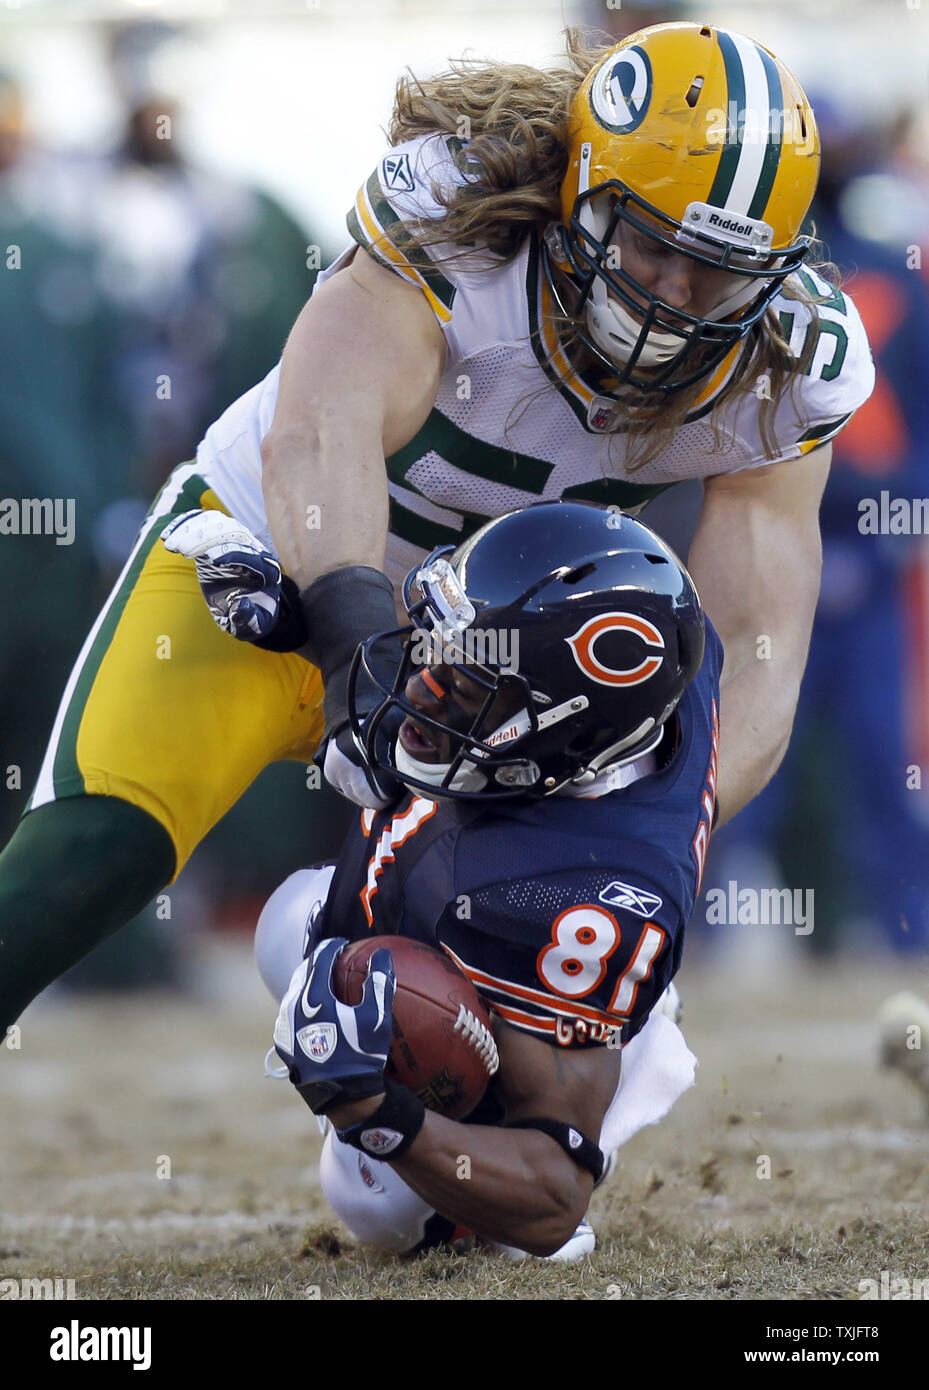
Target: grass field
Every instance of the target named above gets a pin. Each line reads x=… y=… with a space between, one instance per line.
x=105 y=1094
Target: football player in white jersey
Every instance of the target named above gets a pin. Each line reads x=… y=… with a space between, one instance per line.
x=659 y=325
x=587 y=282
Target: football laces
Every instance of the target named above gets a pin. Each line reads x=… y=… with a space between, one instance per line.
x=480 y=1038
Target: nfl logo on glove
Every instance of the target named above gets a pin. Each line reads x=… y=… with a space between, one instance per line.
x=318 y=1040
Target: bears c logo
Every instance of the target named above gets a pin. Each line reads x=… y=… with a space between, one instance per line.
x=583 y=642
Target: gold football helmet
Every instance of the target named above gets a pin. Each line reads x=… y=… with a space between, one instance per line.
x=692 y=141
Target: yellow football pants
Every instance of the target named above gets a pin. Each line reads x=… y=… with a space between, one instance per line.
x=166 y=711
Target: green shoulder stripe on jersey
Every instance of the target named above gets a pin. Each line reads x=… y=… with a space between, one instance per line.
x=393 y=227
x=471 y=455
x=835 y=301
x=820 y=431
x=358 y=233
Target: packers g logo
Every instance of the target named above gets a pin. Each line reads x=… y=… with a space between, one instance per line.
x=583 y=641
x=621 y=91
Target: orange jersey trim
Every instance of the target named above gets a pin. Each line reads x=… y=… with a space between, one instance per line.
x=571 y=1008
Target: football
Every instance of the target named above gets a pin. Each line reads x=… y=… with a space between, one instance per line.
x=442 y=1046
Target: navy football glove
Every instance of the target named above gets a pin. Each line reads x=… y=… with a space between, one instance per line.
x=240 y=579
x=335 y=1053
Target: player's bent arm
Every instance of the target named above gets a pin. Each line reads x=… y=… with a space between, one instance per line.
x=756 y=560
x=518 y=1186
x=359 y=375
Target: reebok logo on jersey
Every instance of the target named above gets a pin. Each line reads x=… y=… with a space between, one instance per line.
x=396 y=172
x=637 y=900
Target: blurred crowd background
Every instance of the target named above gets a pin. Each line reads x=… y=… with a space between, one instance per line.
x=175 y=175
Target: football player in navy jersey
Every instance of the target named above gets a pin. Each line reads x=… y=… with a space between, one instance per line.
x=565 y=795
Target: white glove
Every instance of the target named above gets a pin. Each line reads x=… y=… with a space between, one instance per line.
x=240 y=579
x=351 y=779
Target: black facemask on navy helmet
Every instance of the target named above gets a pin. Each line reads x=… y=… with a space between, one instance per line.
x=575 y=631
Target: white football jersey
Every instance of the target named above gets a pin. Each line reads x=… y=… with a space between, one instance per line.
x=512 y=424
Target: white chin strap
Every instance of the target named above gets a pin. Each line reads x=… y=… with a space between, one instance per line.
x=595 y=781
x=469 y=778
x=466 y=779
x=613 y=328
x=616 y=332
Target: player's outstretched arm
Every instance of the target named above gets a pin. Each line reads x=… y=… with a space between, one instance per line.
x=359 y=375
x=756 y=560
x=518 y=1186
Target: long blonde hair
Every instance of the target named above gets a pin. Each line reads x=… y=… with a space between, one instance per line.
x=516 y=122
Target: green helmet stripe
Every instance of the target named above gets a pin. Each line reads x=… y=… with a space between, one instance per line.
x=775 y=126
x=735 y=106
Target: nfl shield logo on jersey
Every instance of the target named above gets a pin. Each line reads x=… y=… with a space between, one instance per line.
x=318 y=1040
x=600 y=412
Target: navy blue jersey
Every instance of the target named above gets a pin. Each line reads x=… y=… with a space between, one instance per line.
x=567 y=913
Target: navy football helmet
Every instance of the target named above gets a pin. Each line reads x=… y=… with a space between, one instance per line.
x=551 y=645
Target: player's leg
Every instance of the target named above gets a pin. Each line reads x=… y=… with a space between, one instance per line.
x=375 y=1204
x=56 y=901
x=280 y=937
x=163 y=715
x=380 y=1209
